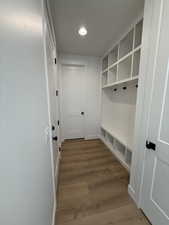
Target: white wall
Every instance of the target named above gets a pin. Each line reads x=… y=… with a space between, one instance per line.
x=26 y=191
x=92 y=107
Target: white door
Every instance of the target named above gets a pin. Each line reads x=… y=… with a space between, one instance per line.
x=155 y=192
x=73 y=87
x=53 y=99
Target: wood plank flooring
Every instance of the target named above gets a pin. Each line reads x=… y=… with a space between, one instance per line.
x=93 y=187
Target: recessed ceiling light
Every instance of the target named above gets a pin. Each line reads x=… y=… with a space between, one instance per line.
x=82 y=31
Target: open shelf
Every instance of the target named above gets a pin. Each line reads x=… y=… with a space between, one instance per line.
x=105 y=63
x=113 y=56
x=112 y=74
x=104 y=78
x=128 y=157
x=136 y=63
x=127 y=141
x=124 y=71
x=138 y=34
x=126 y=44
x=127 y=81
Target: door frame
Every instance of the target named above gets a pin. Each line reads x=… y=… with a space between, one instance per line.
x=151 y=35
x=47 y=30
x=61 y=64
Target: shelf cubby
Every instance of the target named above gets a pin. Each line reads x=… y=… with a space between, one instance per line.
x=104 y=78
x=113 y=56
x=126 y=44
x=120 y=147
x=138 y=33
x=110 y=139
x=128 y=157
x=112 y=75
x=124 y=70
x=103 y=133
x=136 y=63
x=105 y=63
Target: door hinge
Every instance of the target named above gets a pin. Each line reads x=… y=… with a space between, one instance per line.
x=58 y=122
x=55 y=61
x=57 y=93
x=150 y=145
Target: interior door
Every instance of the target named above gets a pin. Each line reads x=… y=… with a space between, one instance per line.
x=73 y=84
x=53 y=99
x=155 y=194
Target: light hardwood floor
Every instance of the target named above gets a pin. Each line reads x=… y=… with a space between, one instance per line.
x=93 y=187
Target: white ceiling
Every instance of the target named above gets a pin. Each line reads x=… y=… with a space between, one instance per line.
x=105 y=20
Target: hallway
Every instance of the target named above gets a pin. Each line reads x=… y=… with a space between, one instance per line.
x=93 y=187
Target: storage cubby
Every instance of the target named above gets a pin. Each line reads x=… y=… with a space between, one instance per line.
x=126 y=44
x=120 y=148
x=105 y=63
x=124 y=71
x=110 y=139
x=104 y=78
x=136 y=63
x=119 y=95
x=103 y=133
x=112 y=74
x=128 y=157
x=113 y=56
x=138 y=34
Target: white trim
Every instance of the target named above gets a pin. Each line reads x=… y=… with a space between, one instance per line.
x=48 y=105
x=90 y=137
x=50 y=23
x=54 y=213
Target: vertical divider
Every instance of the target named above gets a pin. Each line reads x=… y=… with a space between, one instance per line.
x=117 y=74
x=132 y=61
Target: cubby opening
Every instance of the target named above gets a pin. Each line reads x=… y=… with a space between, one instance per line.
x=105 y=63
x=128 y=157
x=103 y=133
x=113 y=56
x=138 y=34
x=112 y=74
x=136 y=63
x=110 y=139
x=104 y=78
x=124 y=71
x=120 y=148
x=126 y=44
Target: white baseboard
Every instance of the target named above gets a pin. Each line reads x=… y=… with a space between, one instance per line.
x=56 y=178
x=54 y=213
x=90 y=137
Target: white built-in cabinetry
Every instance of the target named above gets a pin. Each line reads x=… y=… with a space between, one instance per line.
x=120 y=74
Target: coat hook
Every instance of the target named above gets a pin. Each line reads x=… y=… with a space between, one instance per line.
x=115 y=89
x=124 y=88
x=136 y=85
